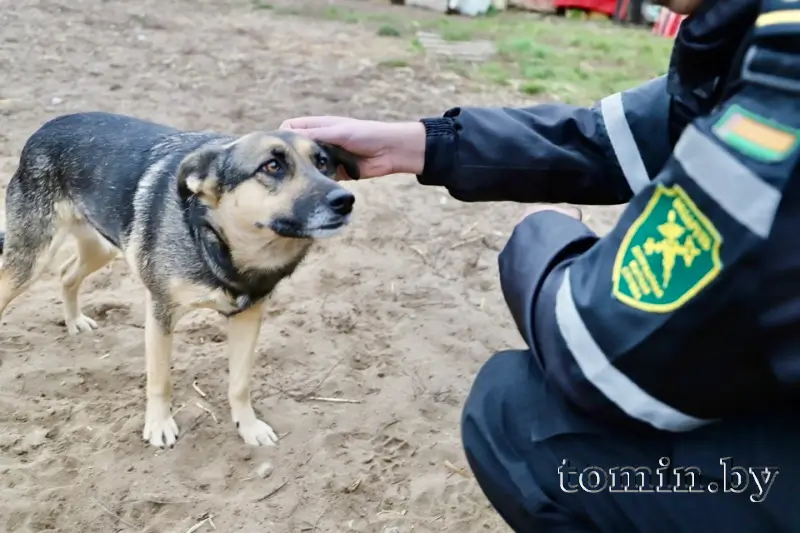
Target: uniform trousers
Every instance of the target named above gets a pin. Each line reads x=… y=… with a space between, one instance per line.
x=547 y=468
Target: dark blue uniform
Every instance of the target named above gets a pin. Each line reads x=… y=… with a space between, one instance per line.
x=658 y=388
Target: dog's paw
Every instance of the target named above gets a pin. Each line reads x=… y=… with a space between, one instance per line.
x=257 y=433
x=160 y=429
x=80 y=324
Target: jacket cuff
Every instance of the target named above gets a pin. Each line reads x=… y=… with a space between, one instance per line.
x=440 y=150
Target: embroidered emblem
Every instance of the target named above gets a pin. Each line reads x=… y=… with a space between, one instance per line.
x=756 y=136
x=669 y=254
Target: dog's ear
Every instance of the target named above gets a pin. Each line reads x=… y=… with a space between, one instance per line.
x=197 y=176
x=342 y=157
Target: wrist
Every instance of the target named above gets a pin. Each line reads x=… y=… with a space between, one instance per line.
x=408 y=155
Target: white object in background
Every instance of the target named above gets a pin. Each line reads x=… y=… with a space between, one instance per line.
x=650 y=12
x=471 y=8
x=465 y=7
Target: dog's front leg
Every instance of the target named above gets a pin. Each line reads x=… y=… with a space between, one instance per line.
x=243 y=329
x=159 y=427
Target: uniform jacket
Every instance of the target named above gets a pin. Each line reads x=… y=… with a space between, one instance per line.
x=688 y=310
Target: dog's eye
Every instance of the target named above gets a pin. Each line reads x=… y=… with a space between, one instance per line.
x=271 y=167
x=322 y=162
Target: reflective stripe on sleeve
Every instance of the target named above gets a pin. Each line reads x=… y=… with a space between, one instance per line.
x=599 y=371
x=623 y=142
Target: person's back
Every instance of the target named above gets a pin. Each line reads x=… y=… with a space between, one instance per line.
x=778 y=293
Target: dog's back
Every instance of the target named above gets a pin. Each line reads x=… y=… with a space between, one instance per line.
x=203 y=219
x=96 y=161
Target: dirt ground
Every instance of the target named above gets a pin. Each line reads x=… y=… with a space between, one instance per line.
x=399 y=313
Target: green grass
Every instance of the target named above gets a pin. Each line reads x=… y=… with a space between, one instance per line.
x=387 y=30
x=577 y=61
x=393 y=63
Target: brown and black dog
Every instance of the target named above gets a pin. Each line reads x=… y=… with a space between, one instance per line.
x=204 y=220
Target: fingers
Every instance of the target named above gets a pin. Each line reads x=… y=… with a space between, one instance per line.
x=306 y=123
x=337 y=135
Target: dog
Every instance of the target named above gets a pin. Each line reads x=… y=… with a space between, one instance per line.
x=203 y=220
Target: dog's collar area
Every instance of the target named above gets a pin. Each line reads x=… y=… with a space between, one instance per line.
x=217 y=255
x=245 y=289
x=215 y=251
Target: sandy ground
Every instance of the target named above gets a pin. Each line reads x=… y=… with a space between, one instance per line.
x=399 y=313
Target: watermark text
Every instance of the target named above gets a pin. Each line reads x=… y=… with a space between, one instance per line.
x=668 y=479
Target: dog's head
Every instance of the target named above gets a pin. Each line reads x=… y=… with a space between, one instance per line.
x=270 y=190
x=278 y=182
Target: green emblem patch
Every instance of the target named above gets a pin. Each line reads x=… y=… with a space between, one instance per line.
x=668 y=254
x=756 y=136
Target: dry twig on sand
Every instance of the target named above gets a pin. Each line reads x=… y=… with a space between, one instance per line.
x=207 y=410
x=332 y=400
x=456 y=470
x=207 y=520
x=196 y=388
x=115 y=515
x=273 y=492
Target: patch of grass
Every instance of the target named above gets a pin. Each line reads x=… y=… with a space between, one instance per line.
x=261 y=4
x=393 y=63
x=345 y=15
x=533 y=87
x=454 y=31
x=571 y=59
x=456 y=34
x=575 y=61
x=495 y=72
x=387 y=30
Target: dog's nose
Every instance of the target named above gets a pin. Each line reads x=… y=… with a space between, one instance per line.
x=340 y=201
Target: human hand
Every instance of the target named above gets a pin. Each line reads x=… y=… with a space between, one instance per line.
x=382 y=147
x=568 y=210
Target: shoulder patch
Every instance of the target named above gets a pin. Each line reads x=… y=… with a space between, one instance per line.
x=668 y=255
x=756 y=136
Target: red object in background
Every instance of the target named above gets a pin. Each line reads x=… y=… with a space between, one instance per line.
x=668 y=23
x=606 y=7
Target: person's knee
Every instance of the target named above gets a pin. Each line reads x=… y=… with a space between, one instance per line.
x=504 y=369
x=501 y=384
x=498 y=423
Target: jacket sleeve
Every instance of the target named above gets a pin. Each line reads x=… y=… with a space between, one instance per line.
x=653 y=323
x=552 y=152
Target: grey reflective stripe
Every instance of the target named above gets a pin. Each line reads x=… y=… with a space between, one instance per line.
x=599 y=371
x=623 y=142
x=735 y=188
